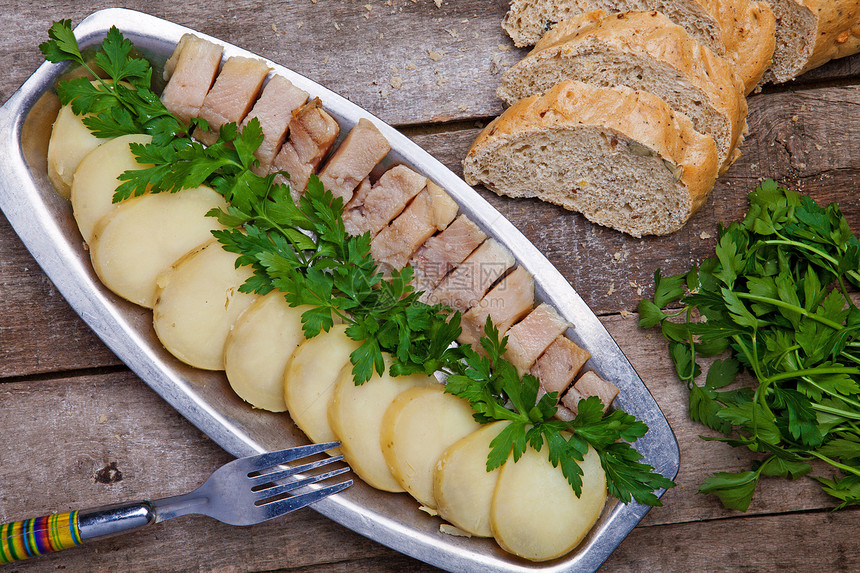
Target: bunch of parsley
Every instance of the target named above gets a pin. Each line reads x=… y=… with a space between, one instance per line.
x=302 y=249
x=776 y=298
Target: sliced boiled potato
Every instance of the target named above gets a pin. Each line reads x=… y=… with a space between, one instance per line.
x=535 y=513
x=257 y=350
x=144 y=236
x=419 y=425
x=197 y=302
x=70 y=142
x=355 y=415
x=96 y=180
x=462 y=486
x=310 y=377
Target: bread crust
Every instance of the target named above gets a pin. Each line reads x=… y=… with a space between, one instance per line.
x=739 y=30
x=838 y=33
x=653 y=35
x=641 y=117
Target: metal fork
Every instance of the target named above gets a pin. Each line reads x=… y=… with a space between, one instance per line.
x=242 y=492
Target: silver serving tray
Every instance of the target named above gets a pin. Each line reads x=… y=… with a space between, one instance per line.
x=45 y=224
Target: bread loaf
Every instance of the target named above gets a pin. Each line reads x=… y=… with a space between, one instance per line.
x=644 y=51
x=620 y=157
x=810 y=33
x=739 y=30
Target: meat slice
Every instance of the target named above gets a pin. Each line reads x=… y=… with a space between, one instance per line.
x=470 y=281
x=232 y=96
x=274 y=110
x=443 y=252
x=359 y=153
x=506 y=303
x=370 y=210
x=590 y=384
x=432 y=210
x=559 y=364
x=531 y=336
x=312 y=132
x=190 y=72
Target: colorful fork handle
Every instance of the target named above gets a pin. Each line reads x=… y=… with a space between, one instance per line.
x=31 y=537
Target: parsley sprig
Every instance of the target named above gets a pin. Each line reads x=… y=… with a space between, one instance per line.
x=302 y=249
x=775 y=296
x=122 y=105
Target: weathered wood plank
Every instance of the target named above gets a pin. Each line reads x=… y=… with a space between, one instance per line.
x=408 y=62
x=803 y=138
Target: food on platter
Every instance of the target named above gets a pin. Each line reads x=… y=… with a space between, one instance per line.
x=94 y=183
x=536 y=515
x=197 y=302
x=310 y=377
x=462 y=486
x=70 y=141
x=356 y=415
x=259 y=345
x=132 y=245
x=418 y=426
x=280 y=271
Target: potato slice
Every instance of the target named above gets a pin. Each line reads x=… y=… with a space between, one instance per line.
x=197 y=302
x=70 y=142
x=535 y=513
x=144 y=236
x=462 y=485
x=418 y=426
x=96 y=180
x=310 y=377
x=355 y=415
x=257 y=350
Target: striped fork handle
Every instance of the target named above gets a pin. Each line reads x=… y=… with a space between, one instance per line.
x=37 y=536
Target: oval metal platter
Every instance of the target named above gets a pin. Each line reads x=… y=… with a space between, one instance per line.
x=45 y=224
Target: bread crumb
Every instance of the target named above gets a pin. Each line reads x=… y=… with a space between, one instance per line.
x=102 y=418
x=463 y=107
x=435 y=56
x=438 y=3
x=394 y=69
x=454 y=33
x=794 y=118
x=396 y=82
x=336 y=26
x=325 y=60
x=368 y=7
x=625 y=314
x=274 y=28
x=504 y=48
x=299 y=24
x=611 y=290
x=441 y=81
x=449 y=529
x=704 y=236
x=367 y=15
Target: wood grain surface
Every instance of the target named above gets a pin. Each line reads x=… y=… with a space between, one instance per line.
x=80 y=430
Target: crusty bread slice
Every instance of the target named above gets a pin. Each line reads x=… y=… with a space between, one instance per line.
x=810 y=33
x=620 y=157
x=644 y=51
x=739 y=30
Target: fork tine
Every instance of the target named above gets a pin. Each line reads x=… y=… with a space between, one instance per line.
x=279 y=489
x=269 y=459
x=281 y=474
x=280 y=507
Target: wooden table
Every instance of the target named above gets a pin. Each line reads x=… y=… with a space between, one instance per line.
x=77 y=429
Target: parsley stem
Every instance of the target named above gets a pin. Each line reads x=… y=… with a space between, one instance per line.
x=793 y=307
x=834 y=394
x=818 y=252
x=845 y=468
x=809 y=371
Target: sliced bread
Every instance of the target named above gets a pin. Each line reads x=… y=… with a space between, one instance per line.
x=644 y=51
x=622 y=158
x=739 y=30
x=810 y=33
